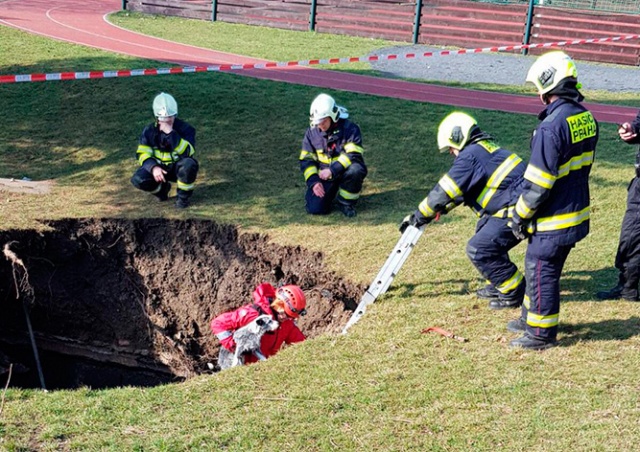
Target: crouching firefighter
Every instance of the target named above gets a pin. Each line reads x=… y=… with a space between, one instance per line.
x=486 y=178
x=165 y=154
x=331 y=159
x=284 y=304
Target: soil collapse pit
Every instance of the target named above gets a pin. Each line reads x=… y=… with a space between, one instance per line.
x=129 y=302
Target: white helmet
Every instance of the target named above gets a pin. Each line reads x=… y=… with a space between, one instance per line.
x=164 y=106
x=550 y=69
x=323 y=106
x=454 y=131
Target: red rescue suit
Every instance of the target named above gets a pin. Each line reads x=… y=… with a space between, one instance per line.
x=225 y=324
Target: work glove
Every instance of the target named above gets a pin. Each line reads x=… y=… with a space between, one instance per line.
x=416 y=219
x=519 y=227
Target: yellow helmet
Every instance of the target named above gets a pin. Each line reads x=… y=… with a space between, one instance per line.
x=164 y=106
x=454 y=131
x=550 y=69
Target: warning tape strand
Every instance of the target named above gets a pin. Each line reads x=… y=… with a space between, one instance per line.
x=20 y=78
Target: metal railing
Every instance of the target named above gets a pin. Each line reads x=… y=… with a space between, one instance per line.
x=613 y=6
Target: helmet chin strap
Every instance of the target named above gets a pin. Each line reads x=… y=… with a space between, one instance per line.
x=545 y=99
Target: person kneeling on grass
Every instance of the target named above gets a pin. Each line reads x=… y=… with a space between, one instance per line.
x=331 y=159
x=284 y=304
x=165 y=154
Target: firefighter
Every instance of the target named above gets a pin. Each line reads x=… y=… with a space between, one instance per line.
x=486 y=178
x=628 y=255
x=553 y=209
x=165 y=154
x=284 y=304
x=331 y=159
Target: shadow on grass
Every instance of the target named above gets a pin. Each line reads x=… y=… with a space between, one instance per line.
x=462 y=287
x=576 y=286
x=606 y=330
x=248 y=141
x=583 y=285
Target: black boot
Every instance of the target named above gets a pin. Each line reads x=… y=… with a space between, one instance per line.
x=511 y=300
x=347 y=209
x=610 y=294
x=518 y=325
x=163 y=193
x=617 y=293
x=530 y=342
x=488 y=292
x=182 y=200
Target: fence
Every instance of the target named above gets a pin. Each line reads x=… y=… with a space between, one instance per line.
x=460 y=23
x=612 y=6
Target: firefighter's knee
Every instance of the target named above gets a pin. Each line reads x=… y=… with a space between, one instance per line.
x=355 y=172
x=143 y=180
x=188 y=170
x=472 y=252
x=315 y=205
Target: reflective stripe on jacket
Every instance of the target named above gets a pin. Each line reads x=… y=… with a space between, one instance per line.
x=556 y=195
x=336 y=149
x=156 y=147
x=483 y=176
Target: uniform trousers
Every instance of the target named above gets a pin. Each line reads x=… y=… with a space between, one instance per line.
x=543 y=263
x=350 y=182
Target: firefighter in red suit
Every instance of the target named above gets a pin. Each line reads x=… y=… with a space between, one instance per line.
x=284 y=304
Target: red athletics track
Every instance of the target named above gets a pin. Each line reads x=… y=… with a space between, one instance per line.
x=83 y=22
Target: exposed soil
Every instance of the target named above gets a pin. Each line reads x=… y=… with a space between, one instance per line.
x=138 y=295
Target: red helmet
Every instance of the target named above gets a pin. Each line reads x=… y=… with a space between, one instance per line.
x=294 y=300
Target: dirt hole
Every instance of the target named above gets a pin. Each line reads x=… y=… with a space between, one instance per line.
x=128 y=302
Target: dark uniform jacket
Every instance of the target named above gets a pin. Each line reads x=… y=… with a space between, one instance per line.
x=336 y=149
x=555 y=201
x=156 y=147
x=483 y=176
x=635 y=126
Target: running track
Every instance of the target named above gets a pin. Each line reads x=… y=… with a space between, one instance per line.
x=83 y=22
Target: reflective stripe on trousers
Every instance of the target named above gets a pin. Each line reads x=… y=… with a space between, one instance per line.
x=543 y=263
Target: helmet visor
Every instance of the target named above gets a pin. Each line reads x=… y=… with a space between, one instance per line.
x=315 y=120
x=294 y=310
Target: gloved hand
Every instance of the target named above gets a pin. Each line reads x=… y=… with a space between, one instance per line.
x=415 y=219
x=519 y=227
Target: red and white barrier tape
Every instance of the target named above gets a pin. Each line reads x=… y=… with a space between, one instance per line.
x=235 y=67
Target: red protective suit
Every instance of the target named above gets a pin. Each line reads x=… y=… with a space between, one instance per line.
x=225 y=324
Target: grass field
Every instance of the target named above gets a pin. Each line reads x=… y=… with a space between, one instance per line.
x=384 y=386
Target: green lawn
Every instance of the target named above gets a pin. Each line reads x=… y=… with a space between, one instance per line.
x=384 y=386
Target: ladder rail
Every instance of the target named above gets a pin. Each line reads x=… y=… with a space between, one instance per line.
x=387 y=273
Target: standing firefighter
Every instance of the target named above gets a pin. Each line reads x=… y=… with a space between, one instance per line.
x=331 y=158
x=628 y=255
x=486 y=178
x=553 y=210
x=284 y=304
x=165 y=153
